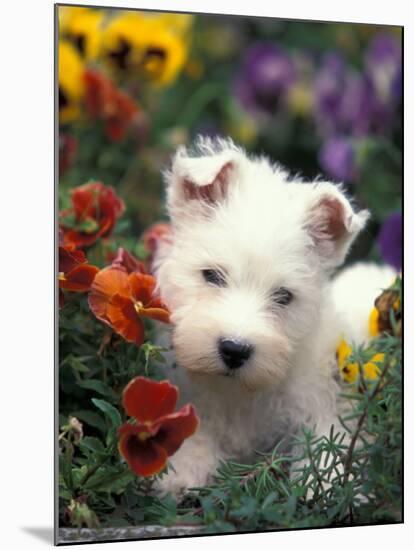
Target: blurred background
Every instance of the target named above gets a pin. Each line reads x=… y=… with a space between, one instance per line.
x=323 y=99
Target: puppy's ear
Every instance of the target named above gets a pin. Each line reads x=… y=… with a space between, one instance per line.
x=332 y=223
x=196 y=183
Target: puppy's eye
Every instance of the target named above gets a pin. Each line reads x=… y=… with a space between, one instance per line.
x=282 y=296
x=214 y=277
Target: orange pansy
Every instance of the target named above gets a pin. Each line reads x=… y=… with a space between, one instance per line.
x=120 y=299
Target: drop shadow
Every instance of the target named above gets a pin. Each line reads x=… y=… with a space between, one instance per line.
x=43 y=533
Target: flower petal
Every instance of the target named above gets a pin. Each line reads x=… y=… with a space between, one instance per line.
x=123 y=318
x=158 y=314
x=350 y=372
x=69 y=259
x=160 y=231
x=142 y=287
x=109 y=203
x=145 y=458
x=373 y=328
x=84 y=198
x=79 y=279
x=105 y=227
x=175 y=428
x=96 y=204
x=107 y=283
x=81 y=238
x=371 y=369
x=127 y=261
x=148 y=400
x=343 y=351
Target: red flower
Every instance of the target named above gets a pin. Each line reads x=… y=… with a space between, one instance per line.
x=154 y=235
x=95 y=210
x=127 y=261
x=68 y=147
x=74 y=272
x=120 y=299
x=158 y=431
x=103 y=100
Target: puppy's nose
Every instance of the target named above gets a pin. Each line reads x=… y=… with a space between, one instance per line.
x=234 y=353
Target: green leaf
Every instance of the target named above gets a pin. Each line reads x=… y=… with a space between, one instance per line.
x=89 y=225
x=65 y=494
x=208 y=509
x=65 y=471
x=93 y=445
x=247 y=508
x=108 y=481
x=269 y=500
x=110 y=412
x=98 y=386
x=75 y=363
x=92 y=418
x=78 y=474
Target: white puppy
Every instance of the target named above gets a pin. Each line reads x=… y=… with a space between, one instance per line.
x=247 y=278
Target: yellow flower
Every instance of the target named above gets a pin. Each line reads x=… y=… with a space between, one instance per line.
x=71 y=87
x=373 y=328
x=164 y=55
x=82 y=27
x=380 y=319
x=145 y=47
x=300 y=99
x=350 y=371
x=118 y=41
x=371 y=369
x=343 y=351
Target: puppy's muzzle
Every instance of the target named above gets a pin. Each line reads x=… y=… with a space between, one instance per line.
x=234 y=352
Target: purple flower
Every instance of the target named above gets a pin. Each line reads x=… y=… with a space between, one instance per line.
x=361 y=113
x=328 y=91
x=266 y=75
x=383 y=67
x=390 y=240
x=346 y=101
x=337 y=159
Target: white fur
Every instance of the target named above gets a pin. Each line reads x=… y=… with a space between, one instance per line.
x=355 y=290
x=264 y=230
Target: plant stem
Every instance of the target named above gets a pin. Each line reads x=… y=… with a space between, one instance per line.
x=314 y=468
x=362 y=418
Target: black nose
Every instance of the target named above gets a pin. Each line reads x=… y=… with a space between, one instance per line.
x=234 y=353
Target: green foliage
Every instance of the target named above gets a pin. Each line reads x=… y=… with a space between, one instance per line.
x=353 y=482
x=91 y=382
x=342 y=483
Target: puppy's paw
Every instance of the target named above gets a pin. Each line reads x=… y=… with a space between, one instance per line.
x=192 y=466
x=173 y=484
